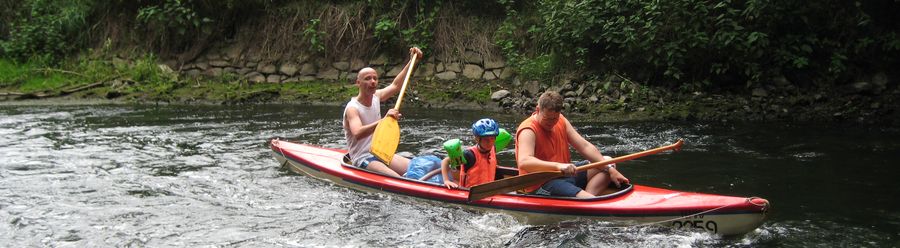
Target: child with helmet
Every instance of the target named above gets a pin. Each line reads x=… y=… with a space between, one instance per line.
x=477 y=164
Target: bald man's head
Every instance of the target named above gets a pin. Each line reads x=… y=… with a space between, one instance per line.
x=364 y=72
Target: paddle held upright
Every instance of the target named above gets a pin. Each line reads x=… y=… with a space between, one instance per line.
x=387 y=133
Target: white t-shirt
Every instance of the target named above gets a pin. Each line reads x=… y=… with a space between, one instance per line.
x=367 y=115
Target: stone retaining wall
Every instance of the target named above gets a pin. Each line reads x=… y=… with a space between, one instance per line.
x=304 y=68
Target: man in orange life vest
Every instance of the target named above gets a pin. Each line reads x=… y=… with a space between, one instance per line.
x=475 y=165
x=542 y=144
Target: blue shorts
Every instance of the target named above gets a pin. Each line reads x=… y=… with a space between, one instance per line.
x=365 y=160
x=565 y=186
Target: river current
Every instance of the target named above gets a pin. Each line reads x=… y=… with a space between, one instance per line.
x=188 y=176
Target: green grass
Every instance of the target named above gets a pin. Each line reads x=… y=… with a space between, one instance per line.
x=31 y=77
x=10 y=73
x=45 y=82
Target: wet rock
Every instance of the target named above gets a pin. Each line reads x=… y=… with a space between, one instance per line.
x=507 y=73
x=782 y=81
x=267 y=68
x=274 y=78
x=233 y=53
x=219 y=63
x=489 y=75
x=759 y=92
x=213 y=56
x=494 y=64
x=289 y=69
x=499 y=95
x=291 y=80
x=425 y=70
x=357 y=64
x=880 y=80
x=447 y=75
x=330 y=73
x=308 y=69
x=214 y=72
x=394 y=71
x=454 y=67
x=472 y=57
x=341 y=65
x=862 y=88
x=473 y=71
x=113 y=94
x=202 y=65
x=875 y=105
x=380 y=60
x=614 y=79
x=193 y=73
x=256 y=77
x=533 y=88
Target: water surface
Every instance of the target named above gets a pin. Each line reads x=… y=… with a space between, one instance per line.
x=178 y=175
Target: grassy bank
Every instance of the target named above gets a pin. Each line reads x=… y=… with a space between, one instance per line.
x=144 y=80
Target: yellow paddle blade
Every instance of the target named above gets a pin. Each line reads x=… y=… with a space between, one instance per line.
x=385 y=139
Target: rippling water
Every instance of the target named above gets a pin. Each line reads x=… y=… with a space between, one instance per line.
x=172 y=175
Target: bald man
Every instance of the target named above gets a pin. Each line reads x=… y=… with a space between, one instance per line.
x=363 y=113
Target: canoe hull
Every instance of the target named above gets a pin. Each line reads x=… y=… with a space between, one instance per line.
x=642 y=205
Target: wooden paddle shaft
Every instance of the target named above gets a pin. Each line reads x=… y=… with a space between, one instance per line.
x=521 y=181
x=676 y=146
x=412 y=64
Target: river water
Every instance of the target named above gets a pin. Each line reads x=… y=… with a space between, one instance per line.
x=187 y=176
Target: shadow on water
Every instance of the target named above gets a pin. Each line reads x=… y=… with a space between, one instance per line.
x=119 y=175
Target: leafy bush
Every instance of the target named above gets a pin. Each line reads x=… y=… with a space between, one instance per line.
x=173 y=14
x=723 y=41
x=409 y=21
x=174 y=22
x=46 y=28
x=385 y=30
x=515 y=38
x=312 y=34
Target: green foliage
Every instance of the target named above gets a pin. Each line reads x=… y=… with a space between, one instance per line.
x=312 y=34
x=421 y=33
x=409 y=21
x=46 y=28
x=538 y=68
x=723 y=41
x=699 y=43
x=47 y=80
x=175 y=14
x=147 y=71
x=386 y=31
x=513 y=37
x=32 y=75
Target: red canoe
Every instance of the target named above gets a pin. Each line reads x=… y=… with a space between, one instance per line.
x=640 y=205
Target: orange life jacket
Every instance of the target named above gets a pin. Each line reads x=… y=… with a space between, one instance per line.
x=483 y=171
x=549 y=145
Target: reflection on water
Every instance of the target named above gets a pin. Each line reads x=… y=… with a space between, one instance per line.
x=100 y=176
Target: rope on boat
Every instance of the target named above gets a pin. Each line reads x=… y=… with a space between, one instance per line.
x=281 y=150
